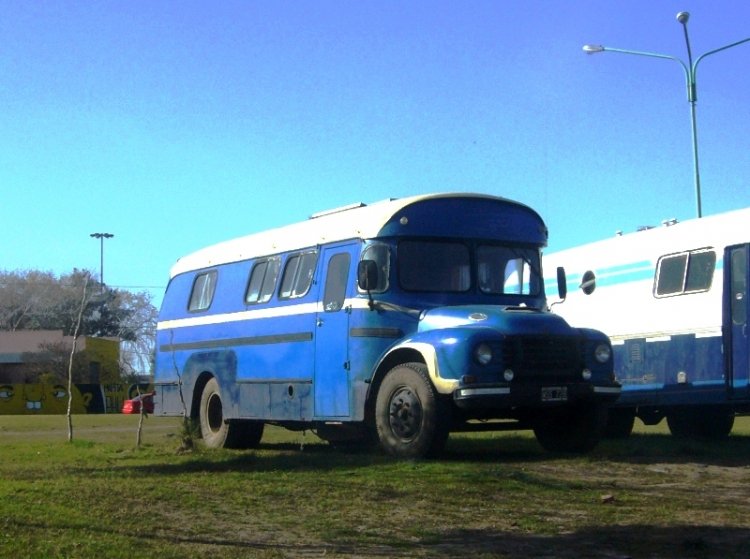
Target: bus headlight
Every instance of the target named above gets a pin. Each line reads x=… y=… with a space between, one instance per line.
x=602 y=353
x=483 y=354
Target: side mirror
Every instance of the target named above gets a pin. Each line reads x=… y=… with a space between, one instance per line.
x=562 y=283
x=367 y=275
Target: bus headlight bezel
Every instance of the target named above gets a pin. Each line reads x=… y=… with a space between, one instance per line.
x=602 y=353
x=483 y=353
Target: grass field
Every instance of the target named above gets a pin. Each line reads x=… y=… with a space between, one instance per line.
x=490 y=495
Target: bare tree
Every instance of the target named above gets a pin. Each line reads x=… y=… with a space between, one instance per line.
x=26 y=298
x=70 y=362
x=138 y=333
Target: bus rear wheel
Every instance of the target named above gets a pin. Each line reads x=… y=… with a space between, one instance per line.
x=411 y=418
x=708 y=423
x=216 y=431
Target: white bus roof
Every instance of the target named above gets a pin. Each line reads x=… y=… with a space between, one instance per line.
x=358 y=221
x=716 y=230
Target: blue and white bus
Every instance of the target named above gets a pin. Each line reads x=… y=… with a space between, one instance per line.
x=673 y=300
x=398 y=321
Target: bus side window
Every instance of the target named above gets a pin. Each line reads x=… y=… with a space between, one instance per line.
x=298 y=274
x=202 y=294
x=336 y=281
x=262 y=280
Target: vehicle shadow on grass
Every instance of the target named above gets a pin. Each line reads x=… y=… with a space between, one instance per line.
x=509 y=449
x=651 y=449
x=636 y=449
x=321 y=456
x=634 y=541
x=618 y=542
x=610 y=542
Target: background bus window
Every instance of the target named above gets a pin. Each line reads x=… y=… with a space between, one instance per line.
x=687 y=272
x=700 y=271
x=739 y=286
x=670 y=274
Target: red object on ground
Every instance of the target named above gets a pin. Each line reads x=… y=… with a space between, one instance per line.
x=134 y=405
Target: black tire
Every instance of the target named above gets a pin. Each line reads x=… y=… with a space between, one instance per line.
x=411 y=418
x=249 y=433
x=708 y=423
x=620 y=422
x=571 y=429
x=216 y=432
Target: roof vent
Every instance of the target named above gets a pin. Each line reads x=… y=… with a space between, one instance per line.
x=338 y=210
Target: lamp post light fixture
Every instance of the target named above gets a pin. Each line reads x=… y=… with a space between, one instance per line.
x=101 y=237
x=690 y=80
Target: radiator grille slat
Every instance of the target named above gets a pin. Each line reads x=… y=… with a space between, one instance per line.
x=542 y=357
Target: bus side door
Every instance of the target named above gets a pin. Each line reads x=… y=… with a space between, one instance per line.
x=737 y=343
x=332 y=332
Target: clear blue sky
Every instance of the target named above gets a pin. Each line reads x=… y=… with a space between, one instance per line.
x=174 y=125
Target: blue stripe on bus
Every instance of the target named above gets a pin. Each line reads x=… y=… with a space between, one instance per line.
x=612 y=275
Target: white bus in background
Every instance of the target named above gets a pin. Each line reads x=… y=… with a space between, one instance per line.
x=673 y=300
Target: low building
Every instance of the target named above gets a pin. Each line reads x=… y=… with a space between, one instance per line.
x=31 y=356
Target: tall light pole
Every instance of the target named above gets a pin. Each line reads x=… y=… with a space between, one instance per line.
x=692 y=93
x=101 y=237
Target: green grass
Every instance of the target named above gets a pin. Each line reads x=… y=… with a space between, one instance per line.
x=490 y=495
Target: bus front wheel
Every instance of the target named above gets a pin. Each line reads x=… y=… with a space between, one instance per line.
x=411 y=418
x=575 y=429
x=620 y=423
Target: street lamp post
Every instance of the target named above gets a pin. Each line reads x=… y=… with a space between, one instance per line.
x=690 y=80
x=101 y=237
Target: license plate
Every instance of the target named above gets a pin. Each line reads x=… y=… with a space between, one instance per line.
x=554 y=393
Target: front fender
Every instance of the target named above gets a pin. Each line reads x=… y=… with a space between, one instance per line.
x=445 y=352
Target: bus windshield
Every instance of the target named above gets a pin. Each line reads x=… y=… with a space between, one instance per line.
x=446 y=266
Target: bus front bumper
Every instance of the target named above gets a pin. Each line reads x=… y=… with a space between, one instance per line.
x=532 y=395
